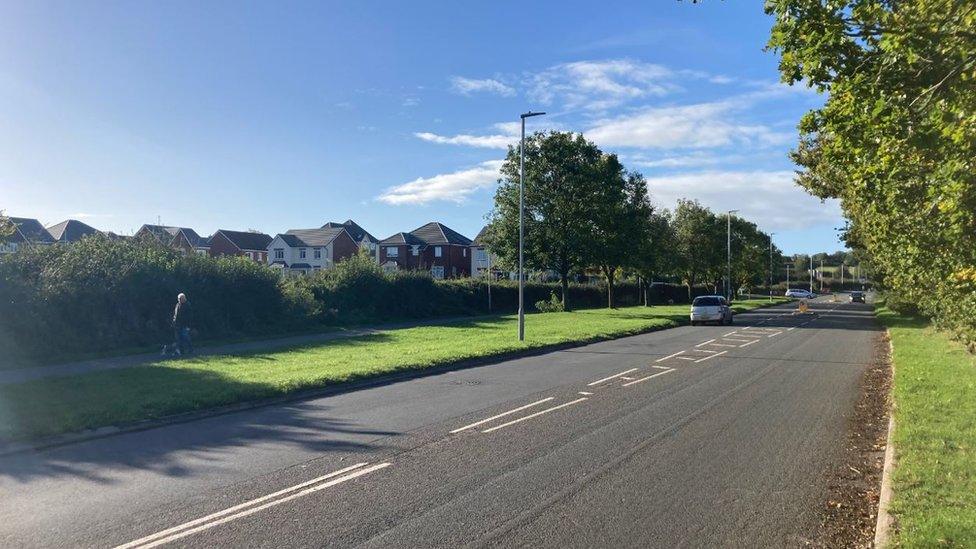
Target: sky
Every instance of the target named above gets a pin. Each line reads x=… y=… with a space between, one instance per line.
x=283 y=115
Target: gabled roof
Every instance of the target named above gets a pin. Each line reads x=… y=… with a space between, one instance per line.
x=247 y=240
x=163 y=233
x=355 y=231
x=30 y=230
x=403 y=239
x=71 y=230
x=480 y=239
x=194 y=239
x=438 y=233
x=311 y=238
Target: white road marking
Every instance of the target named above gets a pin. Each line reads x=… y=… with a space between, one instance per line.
x=774 y=334
x=710 y=356
x=660 y=367
x=585 y=393
x=614 y=376
x=723 y=345
x=530 y=416
x=648 y=377
x=728 y=334
x=669 y=356
x=791 y=329
x=227 y=515
x=686 y=358
x=705 y=343
x=503 y=414
x=737 y=339
x=750 y=343
x=706 y=351
x=627 y=378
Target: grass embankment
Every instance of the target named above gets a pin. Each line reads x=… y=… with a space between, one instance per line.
x=934 y=480
x=58 y=405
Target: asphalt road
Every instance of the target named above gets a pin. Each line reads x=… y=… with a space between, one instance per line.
x=700 y=436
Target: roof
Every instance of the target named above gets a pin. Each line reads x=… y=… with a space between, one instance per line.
x=300 y=266
x=480 y=239
x=438 y=233
x=31 y=230
x=163 y=233
x=71 y=230
x=311 y=238
x=355 y=231
x=403 y=238
x=247 y=240
x=194 y=239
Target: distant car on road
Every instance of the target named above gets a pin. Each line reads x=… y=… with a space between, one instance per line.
x=710 y=308
x=800 y=293
x=857 y=297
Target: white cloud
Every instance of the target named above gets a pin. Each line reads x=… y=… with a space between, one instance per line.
x=769 y=198
x=600 y=85
x=467 y=86
x=483 y=141
x=449 y=187
x=701 y=125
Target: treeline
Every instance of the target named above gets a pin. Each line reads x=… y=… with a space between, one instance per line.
x=586 y=214
x=99 y=294
x=895 y=140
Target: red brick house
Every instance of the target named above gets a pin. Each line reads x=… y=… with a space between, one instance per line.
x=432 y=247
x=250 y=244
x=180 y=238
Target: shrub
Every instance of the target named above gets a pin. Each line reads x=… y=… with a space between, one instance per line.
x=554 y=305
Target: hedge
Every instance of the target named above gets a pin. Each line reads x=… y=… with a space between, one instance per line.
x=102 y=295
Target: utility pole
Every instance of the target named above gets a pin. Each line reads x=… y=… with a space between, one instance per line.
x=771 y=266
x=787 y=276
x=842 y=276
x=728 y=277
x=521 y=269
x=821 y=275
x=811 y=274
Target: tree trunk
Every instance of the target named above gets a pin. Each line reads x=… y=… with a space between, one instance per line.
x=609 y=273
x=564 y=282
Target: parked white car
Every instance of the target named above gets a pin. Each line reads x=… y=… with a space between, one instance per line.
x=710 y=308
x=800 y=293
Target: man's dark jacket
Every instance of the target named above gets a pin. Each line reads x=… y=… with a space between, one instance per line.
x=183 y=315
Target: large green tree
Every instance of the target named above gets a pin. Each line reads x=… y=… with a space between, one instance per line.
x=563 y=177
x=896 y=138
x=6 y=228
x=699 y=244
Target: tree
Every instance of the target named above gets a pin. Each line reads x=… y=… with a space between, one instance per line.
x=699 y=246
x=7 y=228
x=750 y=254
x=895 y=140
x=563 y=173
x=621 y=215
x=655 y=254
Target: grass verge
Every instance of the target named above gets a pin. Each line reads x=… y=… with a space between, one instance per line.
x=54 y=406
x=934 y=480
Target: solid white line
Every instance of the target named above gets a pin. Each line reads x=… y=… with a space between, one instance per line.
x=706 y=351
x=585 y=393
x=776 y=334
x=599 y=381
x=625 y=377
x=219 y=518
x=728 y=334
x=648 y=377
x=710 y=356
x=686 y=358
x=736 y=339
x=530 y=416
x=503 y=414
x=669 y=356
x=705 y=343
x=661 y=367
x=791 y=329
x=723 y=345
x=750 y=343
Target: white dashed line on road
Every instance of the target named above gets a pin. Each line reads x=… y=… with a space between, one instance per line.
x=669 y=356
x=503 y=414
x=614 y=376
x=530 y=416
x=636 y=381
x=711 y=356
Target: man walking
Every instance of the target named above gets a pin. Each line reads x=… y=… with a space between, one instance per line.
x=182 y=319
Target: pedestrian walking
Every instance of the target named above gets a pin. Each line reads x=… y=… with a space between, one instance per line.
x=182 y=321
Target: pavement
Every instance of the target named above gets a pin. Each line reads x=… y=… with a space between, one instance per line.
x=694 y=436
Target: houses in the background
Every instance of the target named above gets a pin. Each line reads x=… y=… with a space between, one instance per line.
x=303 y=251
x=433 y=247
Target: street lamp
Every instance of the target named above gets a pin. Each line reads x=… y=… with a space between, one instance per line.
x=771 y=266
x=521 y=272
x=728 y=278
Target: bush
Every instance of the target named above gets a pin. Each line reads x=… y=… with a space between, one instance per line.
x=554 y=305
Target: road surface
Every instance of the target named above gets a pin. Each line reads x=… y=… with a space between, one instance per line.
x=695 y=436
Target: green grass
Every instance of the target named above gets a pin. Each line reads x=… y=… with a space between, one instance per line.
x=57 y=405
x=934 y=480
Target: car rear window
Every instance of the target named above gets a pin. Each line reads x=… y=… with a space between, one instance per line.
x=706 y=302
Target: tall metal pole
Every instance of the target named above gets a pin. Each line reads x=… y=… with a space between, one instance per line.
x=787 y=276
x=771 y=266
x=811 y=274
x=821 y=275
x=728 y=271
x=521 y=271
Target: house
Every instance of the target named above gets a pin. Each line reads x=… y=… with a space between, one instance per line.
x=71 y=230
x=365 y=240
x=250 y=244
x=181 y=238
x=481 y=259
x=432 y=247
x=301 y=251
x=27 y=232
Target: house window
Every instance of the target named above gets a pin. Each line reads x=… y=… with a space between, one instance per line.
x=392 y=251
x=279 y=253
x=464 y=252
x=480 y=255
x=437 y=251
x=416 y=250
x=301 y=253
x=438 y=272
x=317 y=254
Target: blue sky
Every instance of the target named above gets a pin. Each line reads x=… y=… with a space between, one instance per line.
x=286 y=115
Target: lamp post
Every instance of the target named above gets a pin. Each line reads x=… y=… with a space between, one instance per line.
x=771 y=266
x=811 y=274
x=728 y=248
x=787 y=276
x=521 y=271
